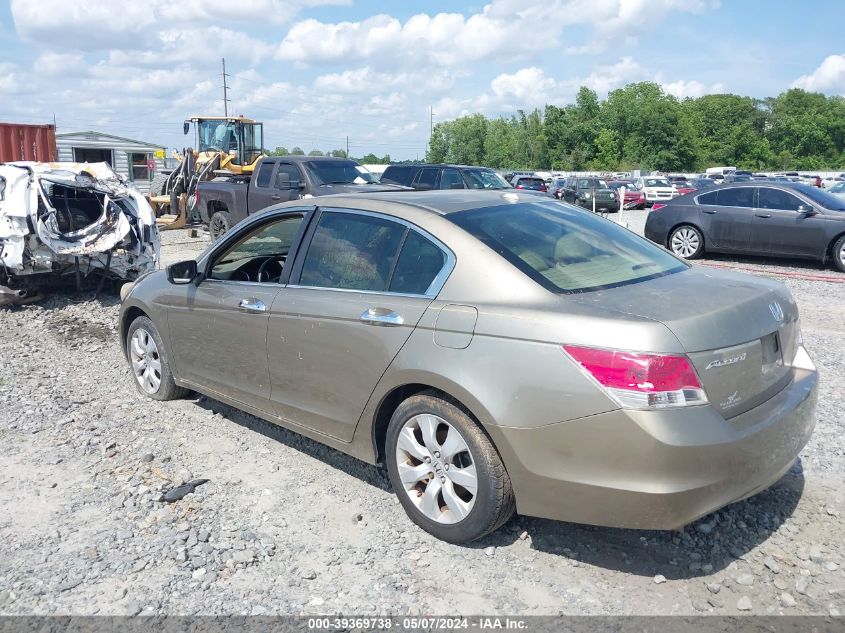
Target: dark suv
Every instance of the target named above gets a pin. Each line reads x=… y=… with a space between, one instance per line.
x=590 y=193
x=441 y=176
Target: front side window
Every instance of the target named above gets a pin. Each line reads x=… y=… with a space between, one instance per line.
x=244 y=259
x=427 y=179
x=418 y=265
x=657 y=182
x=287 y=176
x=451 y=179
x=351 y=251
x=778 y=199
x=565 y=249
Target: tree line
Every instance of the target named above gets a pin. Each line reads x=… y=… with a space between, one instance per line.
x=641 y=127
x=366 y=159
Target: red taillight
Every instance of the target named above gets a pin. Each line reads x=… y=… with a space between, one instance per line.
x=638 y=380
x=544 y=188
x=657 y=205
x=196 y=197
x=519 y=187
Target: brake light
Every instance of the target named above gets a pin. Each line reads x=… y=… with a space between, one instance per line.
x=544 y=188
x=196 y=197
x=657 y=205
x=519 y=187
x=638 y=380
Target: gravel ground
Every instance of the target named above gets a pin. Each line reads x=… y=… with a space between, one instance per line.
x=287 y=526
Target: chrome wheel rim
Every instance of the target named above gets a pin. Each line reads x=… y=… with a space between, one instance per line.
x=685 y=242
x=146 y=361
x=436 y=468
x=842 y=253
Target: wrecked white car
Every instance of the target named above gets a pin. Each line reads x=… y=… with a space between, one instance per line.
x=66 y=223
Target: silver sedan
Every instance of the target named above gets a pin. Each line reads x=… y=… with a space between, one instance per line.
x=500 y=352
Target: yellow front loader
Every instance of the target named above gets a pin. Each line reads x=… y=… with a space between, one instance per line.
x=224 y=146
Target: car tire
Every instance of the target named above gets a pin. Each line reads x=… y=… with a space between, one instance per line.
x=149 y=362
x=458 y=449
x=157 y=185
x=839 y=254
x=219 y=224
x=686 y=241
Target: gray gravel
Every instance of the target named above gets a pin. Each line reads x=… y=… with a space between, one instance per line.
x=287 y=526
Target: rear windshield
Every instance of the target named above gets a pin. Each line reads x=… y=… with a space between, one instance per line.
x=566 y=249
x=399 y=175
x=530 y=182
x=657 y=182
x=337 y=172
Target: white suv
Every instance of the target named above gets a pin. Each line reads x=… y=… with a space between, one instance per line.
x=655 y=189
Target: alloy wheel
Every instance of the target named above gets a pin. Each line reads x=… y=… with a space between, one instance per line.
x=146 y=362
x=437 y=470
x=685 y=242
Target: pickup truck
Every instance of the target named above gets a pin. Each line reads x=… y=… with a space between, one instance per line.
x=226 y=200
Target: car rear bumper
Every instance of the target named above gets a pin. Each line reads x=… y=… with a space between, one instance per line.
x=657 y=469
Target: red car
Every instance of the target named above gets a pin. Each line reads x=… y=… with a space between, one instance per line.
x=634 y=199
x=684 y=188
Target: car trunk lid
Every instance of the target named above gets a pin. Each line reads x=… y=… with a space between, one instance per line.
x=739 y=332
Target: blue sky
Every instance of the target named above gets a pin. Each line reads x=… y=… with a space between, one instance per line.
x=317 y=71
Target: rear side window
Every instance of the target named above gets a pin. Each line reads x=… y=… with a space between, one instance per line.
x=566 y=249
x=399 y=175
x=419 y=263
x=738 y=197
x=265 y=173
x=707 y=198
x=292 y=173
x=351 y=251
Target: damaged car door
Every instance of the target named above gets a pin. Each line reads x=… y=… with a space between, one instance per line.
x=219 y=326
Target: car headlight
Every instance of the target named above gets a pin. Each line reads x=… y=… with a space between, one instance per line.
x=588 y=196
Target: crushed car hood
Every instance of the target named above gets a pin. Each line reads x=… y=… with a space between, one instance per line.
x=59 y=219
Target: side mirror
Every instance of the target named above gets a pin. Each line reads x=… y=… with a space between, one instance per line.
x=282 y=181
x=300 y=185
x=806 y=210
x=182 y=273
x=186 y=127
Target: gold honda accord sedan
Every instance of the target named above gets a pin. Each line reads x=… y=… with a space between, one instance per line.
x=501 y=352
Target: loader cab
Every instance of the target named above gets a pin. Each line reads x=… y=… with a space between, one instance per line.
x=239 y=138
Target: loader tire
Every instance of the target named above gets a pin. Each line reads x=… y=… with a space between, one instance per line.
x=157 y=184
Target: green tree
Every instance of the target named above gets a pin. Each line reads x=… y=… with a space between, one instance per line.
x=315 y=152
x=297 y=151
x=337 y=153
x=279 y=151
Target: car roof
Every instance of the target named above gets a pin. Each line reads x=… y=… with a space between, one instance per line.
x=439 y=202
x=453 y=165
x=300 y=158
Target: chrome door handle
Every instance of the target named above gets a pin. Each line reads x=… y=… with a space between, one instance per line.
x=383 y=317
x=709 y=211
x=276 y=197
x=252 y=305
x=763 y=215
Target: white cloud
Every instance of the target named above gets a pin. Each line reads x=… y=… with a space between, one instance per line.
x=829 y=77
x=684 y=89
x=103 y=24
x=54 y=64
x=503 y=28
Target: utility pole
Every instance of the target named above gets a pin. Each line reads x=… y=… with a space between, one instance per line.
x=430 y=129
x=347 y=146
x=225 y=90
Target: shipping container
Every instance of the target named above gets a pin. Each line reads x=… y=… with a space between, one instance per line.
x=27 y=142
